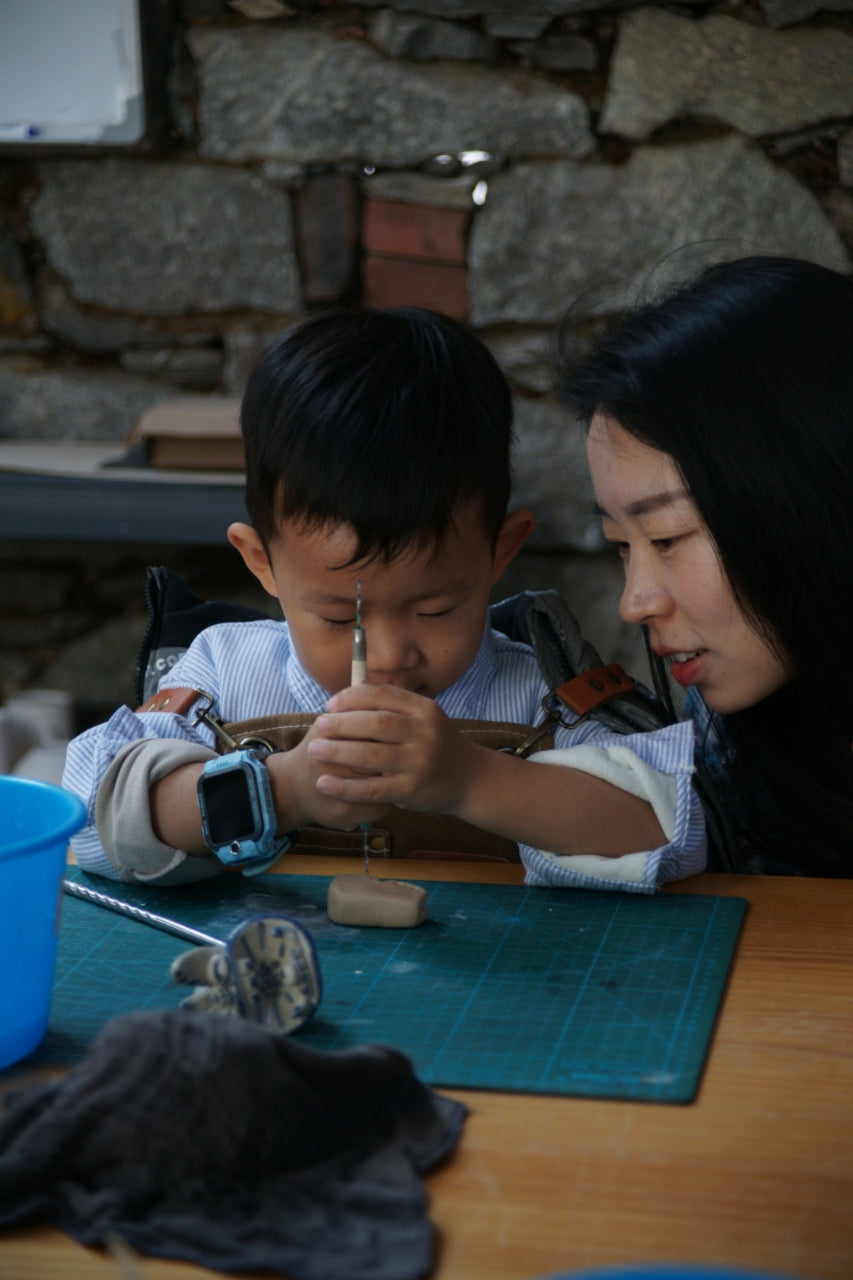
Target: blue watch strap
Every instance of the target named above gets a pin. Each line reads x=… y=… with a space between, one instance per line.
x=238 y=814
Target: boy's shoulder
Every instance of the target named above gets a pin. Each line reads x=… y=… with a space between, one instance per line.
x=508 y=647
x=516 y=666
x=241 y=637
x=219 y=649
x=177 y=616
x=242 y=630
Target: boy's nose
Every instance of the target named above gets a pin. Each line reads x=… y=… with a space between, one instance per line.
x=390 y=652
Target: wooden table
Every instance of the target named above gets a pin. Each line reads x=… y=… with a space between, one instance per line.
x=757 y=1172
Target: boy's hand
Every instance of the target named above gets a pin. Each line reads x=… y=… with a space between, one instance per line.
x=298 y=800
x=385 y=745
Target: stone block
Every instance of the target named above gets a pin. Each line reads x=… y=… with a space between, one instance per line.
x=550 y=477
x=425 y=39
x=399 y=282
x=665 y=67
x=243 y=348
x=393 y=228
x=516 y=26
x=559 y=53
x=96 y=330
x=782 y=13
x=56 y=404
x=413 y=187
x=195 y=367
x=845 y=158
x=503 y=9
x=526 y=356
x=167 y=238
x=555 y=235
x=299 y=95
x=326 y=234
x=839 y=205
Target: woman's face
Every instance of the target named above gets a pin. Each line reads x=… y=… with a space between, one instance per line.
x=674 y=582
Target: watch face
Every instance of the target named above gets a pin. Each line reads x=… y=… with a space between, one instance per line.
x=228 y=807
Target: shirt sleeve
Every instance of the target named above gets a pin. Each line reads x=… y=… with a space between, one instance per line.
x=89 y=758
x=658 y=767
x=90 y=755
x=123 y=814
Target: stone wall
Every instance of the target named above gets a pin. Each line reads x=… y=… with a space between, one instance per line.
x=496 y=160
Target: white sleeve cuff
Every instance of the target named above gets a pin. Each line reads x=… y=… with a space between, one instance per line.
x=670 y=793
x=123 y=814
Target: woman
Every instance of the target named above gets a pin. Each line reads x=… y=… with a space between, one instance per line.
x=721 y=451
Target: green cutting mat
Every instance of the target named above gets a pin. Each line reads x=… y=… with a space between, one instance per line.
x=503 y=987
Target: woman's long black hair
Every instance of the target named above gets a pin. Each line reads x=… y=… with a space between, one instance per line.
x=745 y=378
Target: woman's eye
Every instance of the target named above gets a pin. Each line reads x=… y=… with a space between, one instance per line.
x=339 y=622
x=664 y=544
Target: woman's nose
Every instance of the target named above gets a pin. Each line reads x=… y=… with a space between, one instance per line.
x=643 y=596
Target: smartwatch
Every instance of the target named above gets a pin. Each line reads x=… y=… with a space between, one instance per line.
x=238 y=816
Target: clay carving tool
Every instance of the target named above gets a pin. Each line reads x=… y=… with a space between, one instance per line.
x=358 y=675
x=364 y=900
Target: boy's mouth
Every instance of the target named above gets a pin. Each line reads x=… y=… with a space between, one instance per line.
x=403 y=684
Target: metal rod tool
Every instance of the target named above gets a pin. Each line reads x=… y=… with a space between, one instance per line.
x=358 y=675
x=142 y=917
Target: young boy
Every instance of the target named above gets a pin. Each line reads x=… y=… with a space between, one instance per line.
x=378 y=453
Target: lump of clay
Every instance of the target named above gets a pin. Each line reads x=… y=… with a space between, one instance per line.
x=364 y=900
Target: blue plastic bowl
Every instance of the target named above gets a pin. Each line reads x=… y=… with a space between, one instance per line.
x=36 y=821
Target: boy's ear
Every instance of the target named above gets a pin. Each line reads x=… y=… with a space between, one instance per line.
x=515 y=530
x=253 y=551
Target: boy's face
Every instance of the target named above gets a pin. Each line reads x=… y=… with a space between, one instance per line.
x=423 y=614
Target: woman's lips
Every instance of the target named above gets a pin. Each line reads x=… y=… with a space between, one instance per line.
x=685 y=665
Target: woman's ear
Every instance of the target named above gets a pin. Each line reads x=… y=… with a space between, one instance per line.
x=254 y=553
x=515 y=530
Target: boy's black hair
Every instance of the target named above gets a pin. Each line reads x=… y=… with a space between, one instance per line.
x=384 y=420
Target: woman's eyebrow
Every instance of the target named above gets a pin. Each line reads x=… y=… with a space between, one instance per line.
x=642 y=506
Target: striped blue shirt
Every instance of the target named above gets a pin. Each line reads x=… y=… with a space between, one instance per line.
x=252 y=669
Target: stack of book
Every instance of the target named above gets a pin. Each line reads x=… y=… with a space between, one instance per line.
x=199 y=433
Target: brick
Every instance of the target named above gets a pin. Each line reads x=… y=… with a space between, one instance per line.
x=398 y=282
x=404 y=230
x=326 y=220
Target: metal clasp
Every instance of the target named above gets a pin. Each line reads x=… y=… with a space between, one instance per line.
x=206 y=715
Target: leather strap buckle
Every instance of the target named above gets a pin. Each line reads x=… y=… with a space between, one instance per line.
x=584 y=692
x=178 y=701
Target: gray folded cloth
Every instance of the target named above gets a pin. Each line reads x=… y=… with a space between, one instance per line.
x=218 y=1142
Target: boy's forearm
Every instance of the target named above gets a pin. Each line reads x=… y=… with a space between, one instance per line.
x=175 y=815
x=420 y=761
x=562 y=810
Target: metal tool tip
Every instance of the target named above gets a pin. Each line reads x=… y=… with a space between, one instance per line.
x=358 y=602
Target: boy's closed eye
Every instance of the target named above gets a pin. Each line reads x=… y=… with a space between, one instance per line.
x=437 y=613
